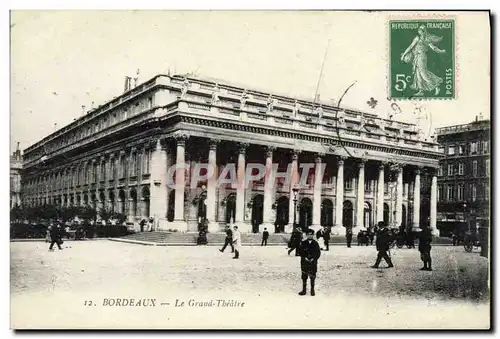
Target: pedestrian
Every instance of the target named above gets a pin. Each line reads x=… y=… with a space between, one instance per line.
x=55 y=236
x=151 y=224
x=382 y=243
x=236 y=242
x=295 y=241
x=265 y=236
x=228 y=240
x=371 y=235
x=309 y=254
x=348 y=235
x=326 y=237
x=424 y=247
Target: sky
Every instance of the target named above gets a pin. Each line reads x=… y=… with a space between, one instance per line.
x=61 y=60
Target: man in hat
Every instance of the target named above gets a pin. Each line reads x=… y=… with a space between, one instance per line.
x=382 y=243
x=424 y=247
x=309 y=254
x=228 y=240
x=236 y=242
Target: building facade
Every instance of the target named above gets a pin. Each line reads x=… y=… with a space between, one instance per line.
x=118 y=156
x=464 y=174
x=16 y=166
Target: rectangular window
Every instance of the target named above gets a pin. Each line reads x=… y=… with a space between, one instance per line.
x=441 y=149
x=440 y=193
x=348 y=184
x=440 y=170
x=474 y=192
x=473 y=147
x=461 y=149
x=450 y=169
x=368 y=186
x=461 y=168
x=487 y=191
x=122 y=167
x=450 y=192
x=487 y=167
x=146 y=160
x=460 y=193
x=474 y=168
x=103 y=171
x=451 y=150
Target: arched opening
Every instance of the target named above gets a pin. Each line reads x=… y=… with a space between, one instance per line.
x=305 y=213
x=327 y=213
x=78 y=200
x=133 y=203
x=93 y=200
x=202 y=206
x=71 y=200
x=85 y=199
x=230 y=208
x=102 y=200
x=257 y=212
x=121 y=201
x=171 y=206
x=404 y=222
x=145 y=202
x=347 y=214
x=112 y=201
x=367 y=215
x=386 y=214
x=282 y=214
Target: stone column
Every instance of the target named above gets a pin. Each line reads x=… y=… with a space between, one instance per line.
x=158 y=184
x=240 y=189
x=433 y=216
x=318 y=180
x=213 y=226
x=268 y=192
x=380 y=193
x=339 y=198
x=294 y=180
x=360 y=197
x=179 y=222
x=416 y=201
x=399 y=196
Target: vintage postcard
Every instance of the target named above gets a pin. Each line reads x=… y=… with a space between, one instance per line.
x=250 y=170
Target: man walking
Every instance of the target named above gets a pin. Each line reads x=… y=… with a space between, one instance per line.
x=265 y=236
x=424 y=247
x=382 y=243
x=236 y=242
x=309 y=254
x=228 y=240
x=55 y=236
x=295 y=241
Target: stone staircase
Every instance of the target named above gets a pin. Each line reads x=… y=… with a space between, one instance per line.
x=217 y=239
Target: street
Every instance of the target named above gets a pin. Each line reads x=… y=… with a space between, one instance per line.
x=54 y=288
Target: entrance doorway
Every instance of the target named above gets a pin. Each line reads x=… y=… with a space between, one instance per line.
x=282 y=210
x=327 y=213
x=305 y=213
x=257 y=212
x=347 y=214
x=230 y=208
x=367 y=219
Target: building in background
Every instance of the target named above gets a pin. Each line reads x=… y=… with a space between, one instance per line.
x=464 y=176
x=117 y=157
x=16 y=166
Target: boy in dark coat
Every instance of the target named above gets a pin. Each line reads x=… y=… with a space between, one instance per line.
x=228 y=240
x=309 y=254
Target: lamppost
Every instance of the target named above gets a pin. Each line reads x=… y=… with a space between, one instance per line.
x=295 y=190
x=466 y=217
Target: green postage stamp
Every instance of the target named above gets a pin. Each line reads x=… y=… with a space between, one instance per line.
x=422 y=59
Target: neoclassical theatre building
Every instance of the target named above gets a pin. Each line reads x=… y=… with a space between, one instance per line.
x=117 y=157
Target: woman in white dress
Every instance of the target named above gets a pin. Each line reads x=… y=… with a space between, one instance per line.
x=236 y=242
x=416 y=53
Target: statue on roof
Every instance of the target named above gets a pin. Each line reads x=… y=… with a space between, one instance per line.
x=296 y=108
x=244 y=98
x=185 y=87
x=319 y=111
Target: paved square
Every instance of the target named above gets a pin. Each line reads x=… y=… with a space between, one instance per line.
x=68 y=288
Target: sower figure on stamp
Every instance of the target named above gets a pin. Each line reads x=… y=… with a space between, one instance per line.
x=228 y=240
x=236 y=242
x=309 y=254
x=424 y=247
x=382 y=243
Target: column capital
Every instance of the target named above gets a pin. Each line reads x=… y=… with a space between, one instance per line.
x=212 y=144
x=242 y=147
x=319 y=157
x=181 y=139
x=418 y=170
x=362 y=162
x=341 y=159
x=270 y=150
x=295 y=154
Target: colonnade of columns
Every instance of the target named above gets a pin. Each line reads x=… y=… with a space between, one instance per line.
x=158 y=189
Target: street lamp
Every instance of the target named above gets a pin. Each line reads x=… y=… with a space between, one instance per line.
x=295 y=190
